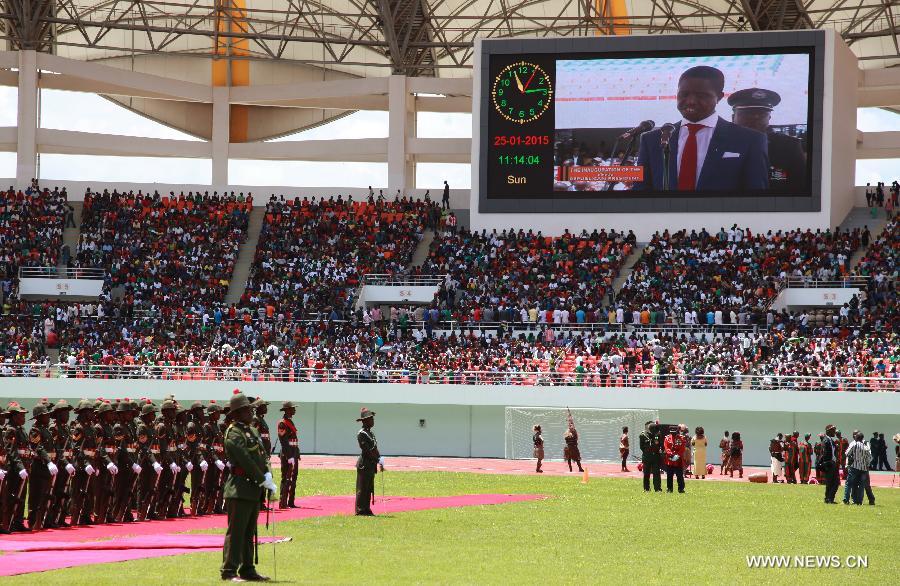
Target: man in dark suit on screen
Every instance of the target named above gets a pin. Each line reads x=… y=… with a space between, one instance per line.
x=705 y=152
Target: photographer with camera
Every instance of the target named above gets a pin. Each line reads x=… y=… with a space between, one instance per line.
x=651 y=455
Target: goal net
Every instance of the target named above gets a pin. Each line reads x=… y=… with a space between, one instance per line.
x=599 y=431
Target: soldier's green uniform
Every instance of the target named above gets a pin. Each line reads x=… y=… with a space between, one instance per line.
x=43 y=469
x=62 y=439
x=243 y=491
x=367 y=464
x=651 y=457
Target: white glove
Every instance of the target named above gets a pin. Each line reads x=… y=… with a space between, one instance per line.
x=113 y=469
x=23 y=474
x=173 y=467
x=157 y=468
x=291 y=461
x=189 y=466
x=269 y=484
x=136 y=469
x=381 y=460
x=70 y=469
x=220 y=465
x=177 y=469
x=228 y=465
x=52 y=468
x=203 y=465
x=89 y=470
x=2 y=473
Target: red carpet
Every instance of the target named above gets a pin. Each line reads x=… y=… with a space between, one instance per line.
x=100 y=544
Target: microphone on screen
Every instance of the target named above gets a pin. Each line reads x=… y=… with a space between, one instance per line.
x=639 y=129
x=665 y=133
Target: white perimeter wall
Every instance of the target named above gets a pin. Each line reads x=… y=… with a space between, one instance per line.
x=839 y=168
x=468 y=421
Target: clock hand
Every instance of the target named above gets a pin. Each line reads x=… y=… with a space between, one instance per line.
x=535 y=91
x=518 y=82
x=527 y=83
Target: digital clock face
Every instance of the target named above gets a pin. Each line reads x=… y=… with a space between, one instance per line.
x=522 y=92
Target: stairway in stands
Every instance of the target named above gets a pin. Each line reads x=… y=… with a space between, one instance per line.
x=71 y=235
x=860 y=218
x=422 y=249
x=245 y=257
x=628 y=266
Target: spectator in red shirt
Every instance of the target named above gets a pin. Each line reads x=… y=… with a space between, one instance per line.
x=674 y=446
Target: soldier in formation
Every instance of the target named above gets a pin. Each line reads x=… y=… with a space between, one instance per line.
x=124 y=460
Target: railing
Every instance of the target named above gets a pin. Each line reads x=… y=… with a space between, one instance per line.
x=748 y=382
x=856 y=281
x=61 y=273
x=404 y=280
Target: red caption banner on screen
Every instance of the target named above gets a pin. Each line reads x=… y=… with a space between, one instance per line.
x=612 y=173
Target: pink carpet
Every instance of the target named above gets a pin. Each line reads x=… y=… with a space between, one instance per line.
x=101 y=544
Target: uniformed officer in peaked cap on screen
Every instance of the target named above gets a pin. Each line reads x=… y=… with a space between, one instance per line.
x=752 y=108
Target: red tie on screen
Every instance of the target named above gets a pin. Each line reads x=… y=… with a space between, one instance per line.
x=687 y=174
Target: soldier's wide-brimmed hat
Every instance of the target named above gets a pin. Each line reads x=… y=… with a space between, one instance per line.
x=168 y=404
x=123 y=406
x=830 y=426
x=213 y=407
x=239 y=401
x=15 y=408
x=259 y=402
x=38 y=410
x=197 y=406
x=288 y=405
x=84 y=405
x=148 y=409
x=61 y=405
x=104 y=407
x=364 y=414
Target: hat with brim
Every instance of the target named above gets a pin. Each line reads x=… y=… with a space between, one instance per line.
x=15 y=408
x=39 y=409
x=61 y=405
x=288 y=405
x=364 y=414
x=259 y=402
x=84 y=405
x=239 y=401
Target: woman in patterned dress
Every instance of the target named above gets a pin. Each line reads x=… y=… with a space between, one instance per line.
x=538 y=440
x=736 y=456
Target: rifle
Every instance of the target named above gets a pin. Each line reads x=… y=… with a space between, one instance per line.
x=19 y=501
x=152 y=500
x=127 y=505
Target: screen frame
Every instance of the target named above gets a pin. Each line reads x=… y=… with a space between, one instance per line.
x=566 y=48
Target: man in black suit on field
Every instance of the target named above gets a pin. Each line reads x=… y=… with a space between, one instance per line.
x=705 y=152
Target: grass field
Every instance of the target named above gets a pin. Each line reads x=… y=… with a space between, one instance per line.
x=606 y=531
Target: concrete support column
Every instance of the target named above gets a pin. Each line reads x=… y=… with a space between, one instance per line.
x=221 y=136
x=26 y=136
x=401 y=124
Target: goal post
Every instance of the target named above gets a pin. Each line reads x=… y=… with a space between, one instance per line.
x=599 y=431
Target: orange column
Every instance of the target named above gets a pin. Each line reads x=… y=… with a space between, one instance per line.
x=616 y=13
x=232 y=18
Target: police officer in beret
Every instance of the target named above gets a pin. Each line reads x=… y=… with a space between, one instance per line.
x=752 y=108
x=250 y=476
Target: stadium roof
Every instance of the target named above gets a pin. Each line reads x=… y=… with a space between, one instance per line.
x=415 y=37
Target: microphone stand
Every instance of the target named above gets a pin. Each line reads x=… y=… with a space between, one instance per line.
x=666 y=166
x=625 y=154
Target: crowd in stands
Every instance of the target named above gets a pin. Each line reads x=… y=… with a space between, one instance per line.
x=164 y=251
x=171 y=259
x=31 y=231
x=312 y=253
x=727 y=276
x=527 y=277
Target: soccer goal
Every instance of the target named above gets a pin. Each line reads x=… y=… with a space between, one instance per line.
x=599 y=431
